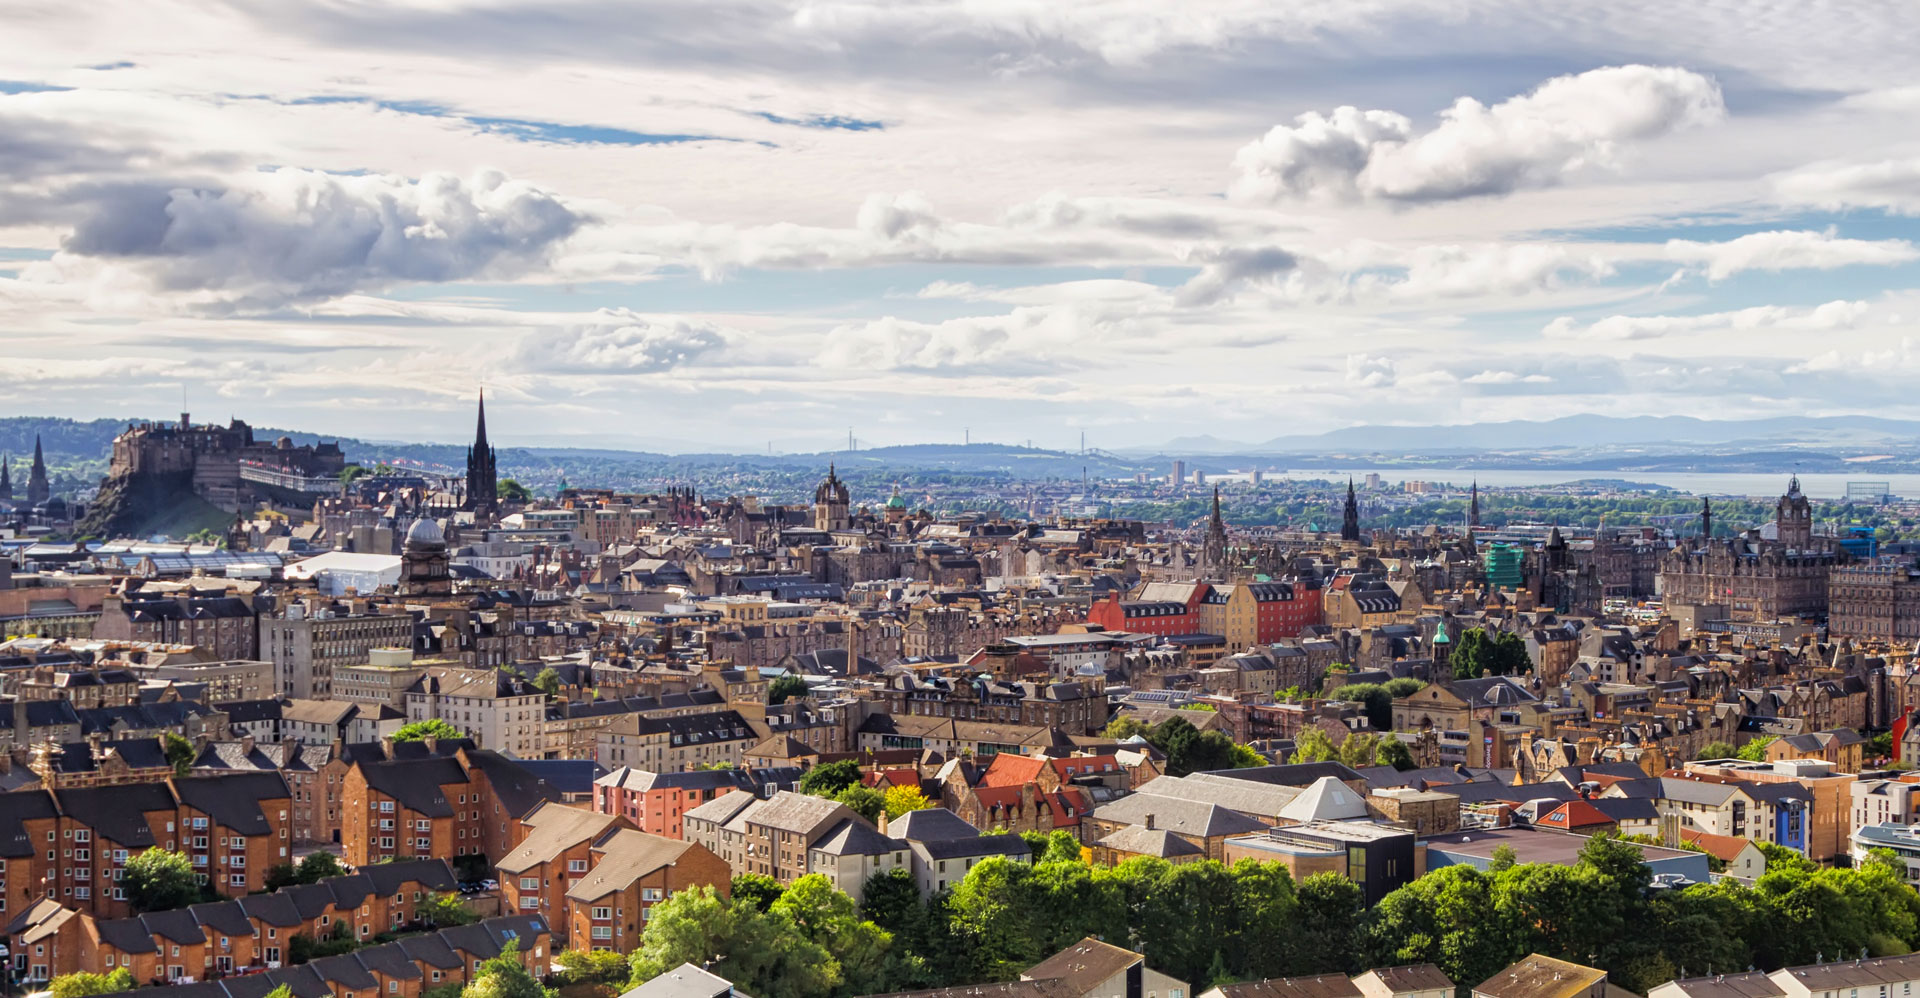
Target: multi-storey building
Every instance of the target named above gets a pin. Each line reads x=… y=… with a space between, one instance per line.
x=498 y=709
x=1875 y=600
x=309 y=639
x=1756 y=578
x=221 y=625
x=665 y=744
x=71 y=845
x=1075 y=706
x=422 y=799
x=556 y=849
x=628 y=873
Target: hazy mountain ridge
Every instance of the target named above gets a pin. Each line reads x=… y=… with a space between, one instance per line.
x=1598 y=443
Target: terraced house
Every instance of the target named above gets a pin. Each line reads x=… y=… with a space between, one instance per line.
x=433 y=798
x=216 y=939
x=71 y=845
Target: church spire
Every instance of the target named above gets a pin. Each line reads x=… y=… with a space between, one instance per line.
x=1473 y=504
x=483 y=479
x=6 y=476
x=1350 y=517
x=38 y=490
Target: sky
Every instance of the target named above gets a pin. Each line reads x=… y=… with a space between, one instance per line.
x=702 y=224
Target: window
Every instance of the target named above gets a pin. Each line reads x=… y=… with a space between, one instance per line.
x=576 y=866
x=602 y=914
x=529 y=883
x=603 y=932
x=650 y=893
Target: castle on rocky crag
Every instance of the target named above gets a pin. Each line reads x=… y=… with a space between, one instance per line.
x=224 y=465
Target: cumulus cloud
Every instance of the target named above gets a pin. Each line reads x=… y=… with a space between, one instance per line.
x=1028 y=340
x=1892 y=184
x=283 y=236
x=1366 y=371
x=1830 y=316
x=1788 y=250
x=1476 y=150
x=1227 y=269
x=621 y=341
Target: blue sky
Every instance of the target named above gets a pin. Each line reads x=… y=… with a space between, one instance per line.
x=720 y=225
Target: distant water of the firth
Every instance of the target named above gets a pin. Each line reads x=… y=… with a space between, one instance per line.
x=1821 y=486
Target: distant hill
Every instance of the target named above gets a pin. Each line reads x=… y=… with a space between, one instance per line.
x=1587 y=431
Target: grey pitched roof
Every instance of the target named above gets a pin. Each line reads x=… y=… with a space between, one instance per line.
x=854 y=837
x=933 y=824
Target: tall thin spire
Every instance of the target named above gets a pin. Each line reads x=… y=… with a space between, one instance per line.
x=6 y=476
x=1350 y=517
x=483 y=478
x=1473 y=505
x=38 y=489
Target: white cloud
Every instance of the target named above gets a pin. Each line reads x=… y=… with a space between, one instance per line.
x=1367 y=371
x=275 y=237
x=1524 y=142
x=1788 y=250
x=1892 y=184
x=620 y=341
x=1831 y=316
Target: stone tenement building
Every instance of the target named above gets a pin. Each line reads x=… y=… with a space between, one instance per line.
x=1754 y=578
x=1877 y=600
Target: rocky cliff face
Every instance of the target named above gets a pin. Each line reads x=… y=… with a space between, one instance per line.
x=141 y=505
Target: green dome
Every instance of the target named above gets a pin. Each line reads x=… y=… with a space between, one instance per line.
x=895 y=501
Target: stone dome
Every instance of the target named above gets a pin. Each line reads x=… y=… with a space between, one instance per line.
x=425 y=533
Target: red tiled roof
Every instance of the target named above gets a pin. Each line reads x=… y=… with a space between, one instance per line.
x=1010 y=770
x=1574 y=814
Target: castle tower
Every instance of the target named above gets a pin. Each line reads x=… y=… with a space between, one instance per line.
x=1794 y=517
x=483 y=480
x=6 y=476
x=1213 y=553
x=38 y=491
x=830 y=504
x=1350 y=517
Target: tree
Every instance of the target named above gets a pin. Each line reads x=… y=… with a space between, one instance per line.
x=1359 y=749
x=827 y=917
x=1062 y=847
x=756 y=889
x=784 y=688
x=1717 y=750
x=830 y=778
x=504 y=976
x=1374 y=698
x=905 y=798
x=319 y=866
x=432 y=727
x=1503 y=860
x=1313 y=745
x=180 y=753
x=866 y=802
x=1326 y=934
x=161 y=880
x=512 y=491
x=1405 y=686
x=445 y=910
x=1756 y=750
x=83 y=984
x=598 y=966
x=282 y=875
x=1394 y=752
x=1124 y=727
x=761 y=952
x=548 y=681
